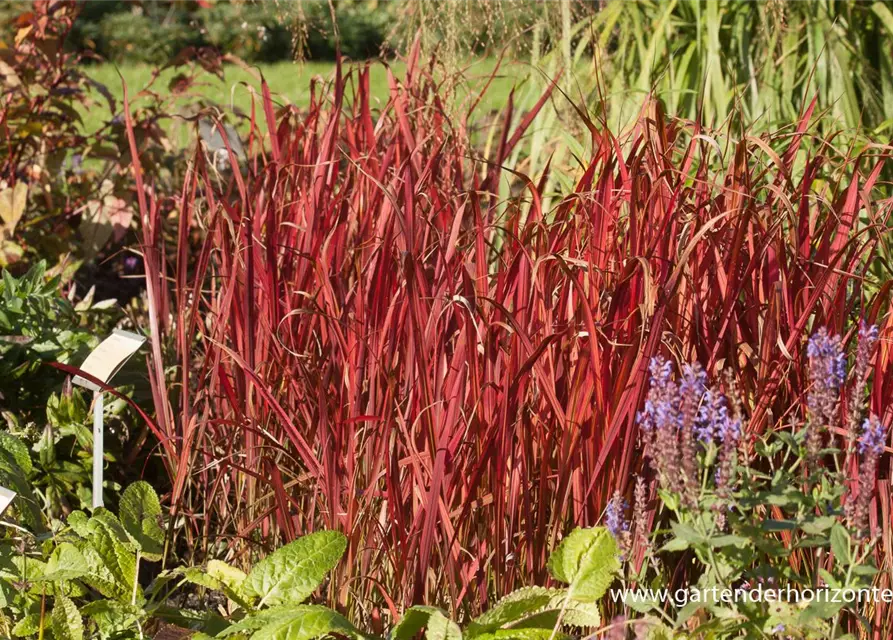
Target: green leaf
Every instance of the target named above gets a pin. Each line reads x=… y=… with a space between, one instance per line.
x=218 y=576
x=675 y=544
x=670 y=499
x=109 y=553
x=306 y=625
x=66 y=562
x=729 y=540
x=100 y=576
x=640 y=605
x=111 y=617
x=821 y=610
x=778 y=525
x=66 y=620
x=438 y=626
x=78 y=521
x=27 y=626
x=15 y=468
x=688 y=533
x=140 y=513
x=587 y=561
x=573 y=613
x=226 y=574
x=817 y=526
x=512 y=608
x=523 y=634
x=290 y=574
x=16 y=450
x=840 y=544
x=293 y=622
x=198 y=577
x=864 y=570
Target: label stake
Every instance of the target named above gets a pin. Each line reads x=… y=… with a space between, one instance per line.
x=97 y=448
x=103 y=363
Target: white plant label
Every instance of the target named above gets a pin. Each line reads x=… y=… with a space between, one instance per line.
x=6 y=498
x=103 y=363
x=106 y=359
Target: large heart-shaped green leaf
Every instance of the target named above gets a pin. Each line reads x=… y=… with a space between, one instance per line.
x=290 y=574
x=586 y=560
x=140 y=513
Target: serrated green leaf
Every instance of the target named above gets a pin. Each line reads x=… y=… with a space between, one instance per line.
x=27 y=626
x=435 y=622
x=290 y=574
x=523 y=634
x=575 y=612
x=112 y=566
x=111 y=617
x=572 y=613
x=306 y=625
x=778 y=525
x=821 y=609
x=586 y=560
x=864 y=570
x=15 y=467
x=16 y=450
x=204 y=578
x=511 y=608
x=198 y=577
x=66 y=620
x=292 y=622
x=140 y=513
x=226 y=574
x=66 y=562
x=640 y=605
x=78 y=521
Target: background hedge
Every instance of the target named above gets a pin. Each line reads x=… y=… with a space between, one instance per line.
x=152 y=32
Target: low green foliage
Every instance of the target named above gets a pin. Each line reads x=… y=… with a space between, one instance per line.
x=86 y=580
x=39 y=325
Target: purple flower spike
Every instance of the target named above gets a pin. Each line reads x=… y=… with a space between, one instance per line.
x=692 y=389
x=873 y=437
x=661 y=424
x=871 y=446
x=615 y=520
x=868 y=332
x=827 y=371
x=827 y=360
x=868 y=337
x=713 y=417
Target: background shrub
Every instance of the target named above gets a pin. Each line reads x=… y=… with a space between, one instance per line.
x=129 y=36
x=153 y=32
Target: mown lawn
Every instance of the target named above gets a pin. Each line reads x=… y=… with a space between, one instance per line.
x=289 y=83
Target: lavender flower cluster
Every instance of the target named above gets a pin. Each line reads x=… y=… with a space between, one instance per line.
x=683 y=417
x=616 y=522
x=868 y=337
x=827 y=372
x=677 y=420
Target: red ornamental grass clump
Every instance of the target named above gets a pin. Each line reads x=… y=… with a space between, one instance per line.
x=367 y=339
